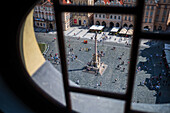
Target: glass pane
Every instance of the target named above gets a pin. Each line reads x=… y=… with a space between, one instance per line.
x=103 y=66
x=95 y=104
x=151 y=88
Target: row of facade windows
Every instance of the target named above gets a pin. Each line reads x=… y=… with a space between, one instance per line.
x=79 y=14
x=110 y=17
x=83 y=2
x=130 y=0
x=152 y=7
x=157 y=17
x=164 y=13
x=37 y=8
x=164 y=1
x=147 y=13
x=49 y=17
x=130 y=19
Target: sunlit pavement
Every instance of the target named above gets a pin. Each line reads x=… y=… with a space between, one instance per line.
x=82 y=32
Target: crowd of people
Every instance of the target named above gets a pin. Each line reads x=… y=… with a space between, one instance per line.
x=159 y=75
x=55 y=58
x=122 y=64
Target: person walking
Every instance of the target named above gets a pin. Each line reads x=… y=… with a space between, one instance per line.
x=159 y=94
x=123 y=69
x=100 y=83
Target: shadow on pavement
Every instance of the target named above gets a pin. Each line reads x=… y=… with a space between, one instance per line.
x=155 y=66
x=75 y=69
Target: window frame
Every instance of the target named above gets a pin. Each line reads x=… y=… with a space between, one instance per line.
x=137 y=12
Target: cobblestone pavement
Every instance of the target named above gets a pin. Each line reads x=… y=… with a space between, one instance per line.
x=141 y=94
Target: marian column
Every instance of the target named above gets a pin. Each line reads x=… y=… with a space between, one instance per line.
x=96 y=61
x=95 y=66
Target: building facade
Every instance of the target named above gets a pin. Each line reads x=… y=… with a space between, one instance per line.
x=128 y=20
x=149 y=15
x=84 y=19
x=155 y=14
x=105 y=19
x=155 y=18
x=162 y=14
x=44 y=15
x=66 y=17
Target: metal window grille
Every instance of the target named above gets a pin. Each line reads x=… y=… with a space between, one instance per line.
x=137 y=12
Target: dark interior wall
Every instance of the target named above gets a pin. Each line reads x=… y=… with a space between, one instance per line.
x=12 y=72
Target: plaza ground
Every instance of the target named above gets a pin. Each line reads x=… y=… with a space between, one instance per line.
x=141 y=94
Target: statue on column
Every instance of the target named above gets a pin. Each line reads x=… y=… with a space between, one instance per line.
x=95 y=66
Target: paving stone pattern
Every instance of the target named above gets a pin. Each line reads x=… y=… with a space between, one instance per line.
x=106 y=82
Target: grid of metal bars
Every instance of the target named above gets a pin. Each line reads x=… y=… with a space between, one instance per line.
x=137 y=11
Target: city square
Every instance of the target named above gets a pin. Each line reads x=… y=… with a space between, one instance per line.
x=114 y=78
x=101 y=61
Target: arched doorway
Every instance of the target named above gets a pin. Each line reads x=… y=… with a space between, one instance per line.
x=111 y=24
x=125 y=25
x=79 y=21
x=97 y=23
x=117 y=24
x=51 y=26
x=130 y=25
x=154 y=27
x=159 y=28
x=104 y=23
x=146 y=28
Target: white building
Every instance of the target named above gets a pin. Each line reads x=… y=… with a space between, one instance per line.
x=44 y=15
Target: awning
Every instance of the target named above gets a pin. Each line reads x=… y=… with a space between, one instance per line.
x=123 y=30
x=167 y=46
x=115 y=29
x=167 y=53
x=39 y=19
x=130 y=32
x=96 y=27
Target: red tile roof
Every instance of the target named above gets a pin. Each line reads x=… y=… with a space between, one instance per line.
x=121 y=2
x=64 y=2
x=48 y=1
x=106 y=1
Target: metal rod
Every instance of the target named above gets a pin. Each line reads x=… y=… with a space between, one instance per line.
x=98 y=93
x=98 y=9
x=133 y=55
x=61 y=43
x=136 y=111
x=155 y=36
